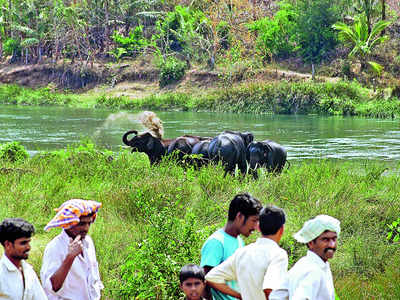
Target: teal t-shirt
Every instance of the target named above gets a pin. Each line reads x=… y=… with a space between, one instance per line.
x=218 y=247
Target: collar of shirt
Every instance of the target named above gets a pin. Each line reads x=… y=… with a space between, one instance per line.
x=10 y=266
x=266 y=241
x=7 y=262
x=317 y=260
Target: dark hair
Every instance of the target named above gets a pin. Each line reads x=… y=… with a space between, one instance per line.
x=15 y=228
x=244 y=203
x=271 y=219
x=191 y=271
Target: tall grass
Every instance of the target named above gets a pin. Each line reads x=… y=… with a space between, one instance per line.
x=341 y=98
x=155 y=219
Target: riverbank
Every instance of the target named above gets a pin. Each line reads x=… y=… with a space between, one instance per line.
x=155 y=219
x=273 y=97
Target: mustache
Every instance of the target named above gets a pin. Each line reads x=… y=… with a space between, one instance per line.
x=327 y=249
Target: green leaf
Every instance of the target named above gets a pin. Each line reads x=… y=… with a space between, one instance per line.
x=376 y=68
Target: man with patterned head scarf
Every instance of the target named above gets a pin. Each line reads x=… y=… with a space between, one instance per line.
x=70 y=269
x=311 y=278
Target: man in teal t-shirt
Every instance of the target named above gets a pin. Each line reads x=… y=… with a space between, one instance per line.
x=242 y=219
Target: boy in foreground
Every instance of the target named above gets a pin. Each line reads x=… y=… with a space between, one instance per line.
x=192 y=281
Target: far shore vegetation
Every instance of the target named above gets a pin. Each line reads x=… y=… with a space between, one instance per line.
x=155 y=219
x=325 y=98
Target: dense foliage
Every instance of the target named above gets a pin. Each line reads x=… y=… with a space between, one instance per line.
x=200 y=31
x=155 y=219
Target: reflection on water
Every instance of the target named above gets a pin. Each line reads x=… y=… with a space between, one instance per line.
x=48 y=128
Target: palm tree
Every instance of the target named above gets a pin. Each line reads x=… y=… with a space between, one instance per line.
x=358 y=37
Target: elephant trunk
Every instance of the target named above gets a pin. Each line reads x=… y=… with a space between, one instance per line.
x=125 y=137
x=253 y=162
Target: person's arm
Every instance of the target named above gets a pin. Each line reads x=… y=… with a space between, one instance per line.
x=207 y=291
x=58 y=278
x=224 y=288
x=211 y=255
x=222 y=273
x=276 y=273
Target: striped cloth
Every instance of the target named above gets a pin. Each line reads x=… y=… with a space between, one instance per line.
x=69 y=212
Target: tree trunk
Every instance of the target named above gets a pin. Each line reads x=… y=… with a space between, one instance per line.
x=383 y=14
x=106 y=29
x=313 y=71
x=1 y=48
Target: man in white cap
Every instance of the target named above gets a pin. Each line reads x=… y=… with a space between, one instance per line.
x=311 y=278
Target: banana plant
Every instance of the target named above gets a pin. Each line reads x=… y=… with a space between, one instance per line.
x=361 y=41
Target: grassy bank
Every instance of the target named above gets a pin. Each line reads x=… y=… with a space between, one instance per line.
x=155 y=219
x=341 y=98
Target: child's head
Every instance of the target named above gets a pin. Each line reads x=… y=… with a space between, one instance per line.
x=192 y=281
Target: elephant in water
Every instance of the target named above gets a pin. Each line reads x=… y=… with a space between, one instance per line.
x=156 y=148
x=201 y=149
x=184 y=145
x=266 y=154
x=229 y=147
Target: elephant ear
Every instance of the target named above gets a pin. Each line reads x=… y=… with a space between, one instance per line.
x=150 y=142
x=248 y=138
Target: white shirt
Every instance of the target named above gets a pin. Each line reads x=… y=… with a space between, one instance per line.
x=12 y=286
x=309 y=279
x=258 y=266
x=83 y=279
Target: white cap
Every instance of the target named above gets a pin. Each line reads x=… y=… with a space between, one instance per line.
x=314 y=227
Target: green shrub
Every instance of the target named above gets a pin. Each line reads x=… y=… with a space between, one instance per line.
x=171 y=70
x=10 y=46
x=152 y=268
x=13 y=152
x=394 y=231
x=131 y=45
x=275 y=36
x=223 y=33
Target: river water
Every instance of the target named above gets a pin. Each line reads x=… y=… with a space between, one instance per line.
x=304 y=137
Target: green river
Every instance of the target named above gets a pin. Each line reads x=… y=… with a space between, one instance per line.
x=304 y=137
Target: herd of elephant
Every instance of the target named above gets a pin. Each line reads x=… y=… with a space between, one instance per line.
x=229 y=147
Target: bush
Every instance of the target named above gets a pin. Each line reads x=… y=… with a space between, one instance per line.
x=223 y=33
x=131 y=45
x=13 y=152
x=152 y=268
x=10 y=46
x=275 y=36
x=171 y=70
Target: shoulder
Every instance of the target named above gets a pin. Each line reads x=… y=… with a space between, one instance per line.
x=304 y=268
x=56 y=245
x=213 y=241
x=281 y=252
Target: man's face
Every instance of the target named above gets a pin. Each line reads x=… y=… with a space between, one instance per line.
x=193 y=288
x=82 y=228
x=324 y=245
x=19 y=249
x=249 y=225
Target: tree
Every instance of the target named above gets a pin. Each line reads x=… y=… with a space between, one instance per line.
x=315 y=35
x=361 y=41
x=275 y=36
